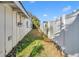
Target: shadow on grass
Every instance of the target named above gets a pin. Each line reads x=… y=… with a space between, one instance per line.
x=36 y=50
x=26 y=41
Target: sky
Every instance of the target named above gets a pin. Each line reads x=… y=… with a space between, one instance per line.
x=49 y=10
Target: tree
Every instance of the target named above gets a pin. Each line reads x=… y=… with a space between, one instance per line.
x=35 y=21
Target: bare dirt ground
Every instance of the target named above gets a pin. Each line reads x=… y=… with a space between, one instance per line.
x=50 y=48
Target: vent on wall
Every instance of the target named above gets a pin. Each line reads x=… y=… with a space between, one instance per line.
x=10 y=37
x=19 y=24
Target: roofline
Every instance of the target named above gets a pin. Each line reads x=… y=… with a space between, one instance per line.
x=20 y=5
x=23 y=7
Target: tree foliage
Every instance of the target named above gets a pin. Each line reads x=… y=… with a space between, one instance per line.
x=36 y=21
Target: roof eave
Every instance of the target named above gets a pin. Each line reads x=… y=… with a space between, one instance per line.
x=20 y=6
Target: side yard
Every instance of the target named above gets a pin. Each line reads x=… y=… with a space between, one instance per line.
x=37 y=44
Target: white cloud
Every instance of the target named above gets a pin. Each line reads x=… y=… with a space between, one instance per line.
x=67 y=8
x=54 y=17
x=45 y=15
x=32 y=1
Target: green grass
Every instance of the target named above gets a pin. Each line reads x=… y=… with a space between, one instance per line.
x=36 y=50
x=25 y=47
x=28 y=50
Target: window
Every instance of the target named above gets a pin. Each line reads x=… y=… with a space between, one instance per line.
x=18 y=21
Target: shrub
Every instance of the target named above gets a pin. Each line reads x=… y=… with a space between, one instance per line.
x=36 y=49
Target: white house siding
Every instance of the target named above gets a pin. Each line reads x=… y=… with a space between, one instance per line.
x=2 y=9
x=45 y=29
x=14 y=28
x=8 y=28
x=68 y=37
x=72 y=35
x=51 y=29
x=59 y=36
x=27 y=24
x=57 y=25
x=54 y=29
x=21 y=28
x=41 y=27
x=10 y=32
x=18 y=27
x=67 y=33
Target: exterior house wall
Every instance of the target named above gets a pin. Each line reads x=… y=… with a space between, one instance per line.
x=10 y=32
x=21 y=28
x=2 y=51
x=14 y=28
x=26 y=26
x=8 y=28
x=59 y=36
x=58 y=25
x=51 y=29
x=18 y=27
x=28 y=21
x=45 y=29
x=41 y=27
x=54 y=27
x=66 y=35
x=71 y=35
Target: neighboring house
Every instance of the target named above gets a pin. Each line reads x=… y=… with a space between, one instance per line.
x=51 y=27
x=71 y=40
x=65 y=32
x=54 y=28
x=41 y=27
x=15 y=23
x=45 y=28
